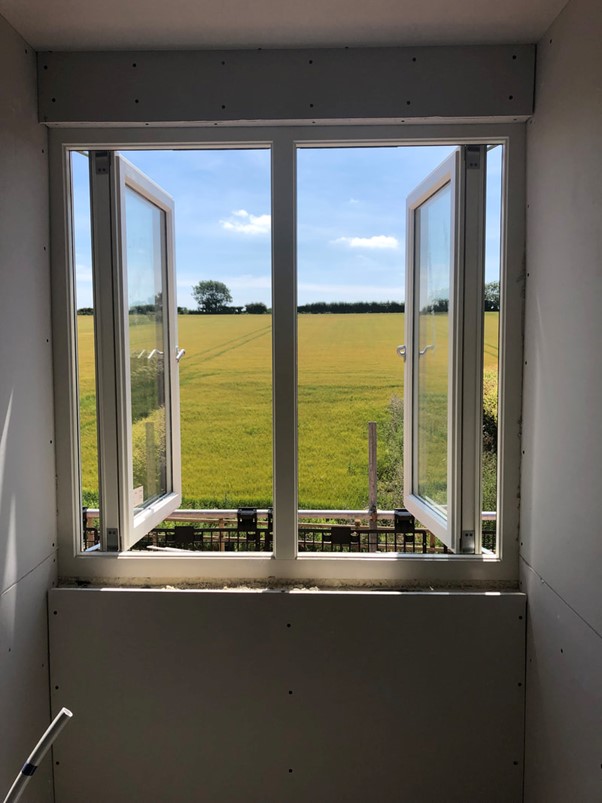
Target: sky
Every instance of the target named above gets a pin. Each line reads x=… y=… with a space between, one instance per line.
x=351 y=219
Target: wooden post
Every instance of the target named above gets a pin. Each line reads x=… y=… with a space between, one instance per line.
x=372 y=484
x=151 y=463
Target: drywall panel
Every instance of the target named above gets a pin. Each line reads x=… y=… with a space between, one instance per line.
x=27 y=497
x=288 y=697
x=563 y=748
x=274 y=85
x=24 y=698
x=562 y=423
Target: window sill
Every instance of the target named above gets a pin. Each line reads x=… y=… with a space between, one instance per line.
x=326 y=571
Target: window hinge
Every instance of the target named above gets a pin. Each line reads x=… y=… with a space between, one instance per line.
x=112 y=539
x=467 y=545
x=473 y=157
x=102 y=162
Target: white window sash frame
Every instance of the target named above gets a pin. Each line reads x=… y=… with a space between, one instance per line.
x=461 y=528
x=448 y=172
x=285 y=565
x=120 y=528
x=152 y=515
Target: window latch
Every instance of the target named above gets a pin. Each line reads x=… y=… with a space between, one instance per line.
x=401 y=352
x=179 y=353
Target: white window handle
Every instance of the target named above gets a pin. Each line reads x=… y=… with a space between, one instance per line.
x=179 y=353
x=401 y=351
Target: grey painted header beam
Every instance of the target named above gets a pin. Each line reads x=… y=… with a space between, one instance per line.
x=384 y=84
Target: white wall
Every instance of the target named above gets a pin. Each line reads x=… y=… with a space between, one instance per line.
x=27 y=498
x=250 y=697
x=561 y=524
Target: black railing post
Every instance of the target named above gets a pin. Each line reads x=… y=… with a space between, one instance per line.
x=269 y=530
x=405 y=523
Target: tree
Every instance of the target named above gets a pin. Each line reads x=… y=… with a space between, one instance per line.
x=211 y=296
x=256 y=308
x=492 y=297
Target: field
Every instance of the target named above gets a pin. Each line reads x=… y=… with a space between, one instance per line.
x=349 y=374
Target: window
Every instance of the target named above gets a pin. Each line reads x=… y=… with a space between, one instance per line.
x=440 y=334
x=137 y=350
x=444 y=347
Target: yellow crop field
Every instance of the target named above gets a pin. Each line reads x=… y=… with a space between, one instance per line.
x=349 y=374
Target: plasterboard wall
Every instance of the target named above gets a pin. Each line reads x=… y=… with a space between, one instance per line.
x=213 y=87
x=561 y=543
x=288 y=697
x=27 y=497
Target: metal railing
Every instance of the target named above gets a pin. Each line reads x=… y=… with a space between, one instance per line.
x=251 y=530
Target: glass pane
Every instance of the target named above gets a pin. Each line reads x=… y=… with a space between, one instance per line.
x=222 y=201
x=350 y=290
x=86 y=351
x=145 y=248
x=351 y=231
x=433 y=270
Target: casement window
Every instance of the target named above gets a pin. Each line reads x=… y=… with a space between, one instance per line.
x=137 y=350
x=438 y=352
x=443 y=349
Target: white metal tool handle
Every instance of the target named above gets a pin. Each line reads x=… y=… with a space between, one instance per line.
x=38 y=753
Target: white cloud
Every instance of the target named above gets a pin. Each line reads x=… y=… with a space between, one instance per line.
x=244 y=222
x=377 y=241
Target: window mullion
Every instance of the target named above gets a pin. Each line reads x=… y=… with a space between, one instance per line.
x=284 y=323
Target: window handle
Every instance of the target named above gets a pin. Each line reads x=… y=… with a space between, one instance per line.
x=401 y=352
x=179 y=353
x=423 y=351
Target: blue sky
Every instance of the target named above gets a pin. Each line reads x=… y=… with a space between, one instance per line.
x=351 y=219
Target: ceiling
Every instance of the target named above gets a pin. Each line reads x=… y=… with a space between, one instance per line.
x=198 y=24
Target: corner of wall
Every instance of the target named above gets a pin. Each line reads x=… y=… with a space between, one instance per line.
x=27 y=472
x=561 y=549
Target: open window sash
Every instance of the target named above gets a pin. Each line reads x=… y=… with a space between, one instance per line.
x=137 y=368
x=443 y=322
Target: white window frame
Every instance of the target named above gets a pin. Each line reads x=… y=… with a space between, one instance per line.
x=152 y=515
x=285 y=564
x=120 y=526
x=465 y=172
x=445 y=174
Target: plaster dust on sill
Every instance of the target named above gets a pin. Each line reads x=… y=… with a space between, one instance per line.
x=274 y=586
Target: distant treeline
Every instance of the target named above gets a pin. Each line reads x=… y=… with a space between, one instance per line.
x=316 y=308
x=491 y=303
x=222 y=311
x=320 y=307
